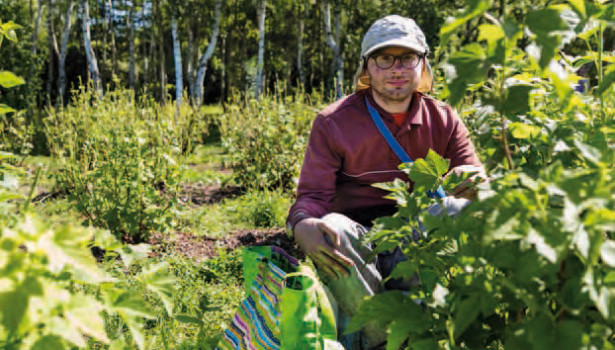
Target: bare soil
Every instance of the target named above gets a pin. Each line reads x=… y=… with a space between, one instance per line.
x=202 y=247
x=201 y=194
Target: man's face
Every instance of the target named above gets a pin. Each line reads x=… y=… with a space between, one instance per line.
x=397 y=83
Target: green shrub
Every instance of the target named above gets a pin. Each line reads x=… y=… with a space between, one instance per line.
x=266 y=139
x=264 y=209
x=530 y=263
x=53 y=295
x=119 y=160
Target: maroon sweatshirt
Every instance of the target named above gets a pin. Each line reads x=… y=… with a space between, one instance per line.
x=346 y=154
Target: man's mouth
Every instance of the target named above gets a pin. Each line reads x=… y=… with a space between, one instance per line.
x=397 y=82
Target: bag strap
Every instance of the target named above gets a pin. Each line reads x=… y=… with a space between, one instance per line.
x=399 y=151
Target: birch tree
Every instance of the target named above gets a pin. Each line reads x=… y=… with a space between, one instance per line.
x=334 y=44
x=204 y=59
x=260 y=15
x=131 y=47
x=93 y=72
x=111 y=27
x=63 y=51
x=39 y=10
x=303 y=13
x=177 y=54
x=53 y=48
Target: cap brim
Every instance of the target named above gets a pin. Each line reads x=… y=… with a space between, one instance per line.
x=395 y=42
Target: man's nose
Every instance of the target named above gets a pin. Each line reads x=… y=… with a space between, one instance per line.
x=397 y=66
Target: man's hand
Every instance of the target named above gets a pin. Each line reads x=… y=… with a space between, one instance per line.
x=320 y=242
x=467 y=189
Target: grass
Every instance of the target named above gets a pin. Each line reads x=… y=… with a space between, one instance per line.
x=209 y=291
x=252 y=210
x=207 y=165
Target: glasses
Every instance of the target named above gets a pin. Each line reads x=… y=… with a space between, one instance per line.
x=386 y=61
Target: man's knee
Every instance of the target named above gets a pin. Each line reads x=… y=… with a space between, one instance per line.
x=348 y=229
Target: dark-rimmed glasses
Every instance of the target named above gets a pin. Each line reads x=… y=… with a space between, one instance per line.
x=386 y=61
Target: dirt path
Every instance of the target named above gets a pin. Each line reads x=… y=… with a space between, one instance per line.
x=203 y=247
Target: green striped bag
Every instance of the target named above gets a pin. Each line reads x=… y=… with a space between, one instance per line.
x=286 y=307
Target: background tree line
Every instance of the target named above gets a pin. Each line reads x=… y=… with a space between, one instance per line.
x=208 y=49
x=308 y=44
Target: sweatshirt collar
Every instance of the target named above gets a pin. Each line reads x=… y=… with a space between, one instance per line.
x=415 y=115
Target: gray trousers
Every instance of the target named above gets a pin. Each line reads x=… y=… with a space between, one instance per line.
x=366 y=278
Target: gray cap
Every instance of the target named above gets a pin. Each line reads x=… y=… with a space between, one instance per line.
x=394 y=30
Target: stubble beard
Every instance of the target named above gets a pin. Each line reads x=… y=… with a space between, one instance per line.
x=395 y=96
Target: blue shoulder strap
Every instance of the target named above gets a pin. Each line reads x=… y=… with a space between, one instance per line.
x=399 y=151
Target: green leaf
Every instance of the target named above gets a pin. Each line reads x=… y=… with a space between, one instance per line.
x=569 y=335
x=49 y=342
x=607 y=252
x=183 y=318
x=398 y=333
x=4 y=109
x=387 y=307
x=523 y=131
x=504 y=232
x=607 y=81
x=405 y=269
x=83 y=313
x=132 y=253
x=578 y=6
x=131 y=305
x=9 y=80
x=158 y=280
x=517 y=99
x=14 y=306
x=490 y=32
x=425 y=344
x=61 y=327
x=466 y=314
x=587 y=152
x=472 y=9
x=8 y=30
x=601 y=218
x=67 y=247
x=426 y=172
x=607 y=13
x=471 y=66
x=549 y=25
x=136 y=330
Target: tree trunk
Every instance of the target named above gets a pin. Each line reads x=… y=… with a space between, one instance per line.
x=339 y=57
x=39 y=10
x=161 y=69
x=260 y=15
x=223 y=68
x=300 y=71
x=190 y=59
x=93 y=72
x=177 y=54
x=113 y=47
x=131 y=69
x=53 y=49
x=146 y=55
x=335 y=45
x=107 y=19
x=202 y=68
x=62 y=62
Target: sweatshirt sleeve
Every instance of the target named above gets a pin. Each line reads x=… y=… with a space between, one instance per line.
x=316 y=187
x=460 y=149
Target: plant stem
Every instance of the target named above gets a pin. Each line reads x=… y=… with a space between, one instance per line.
x=504 y=137
x=600 y=68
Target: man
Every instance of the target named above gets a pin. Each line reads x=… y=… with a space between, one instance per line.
x=346 y=154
